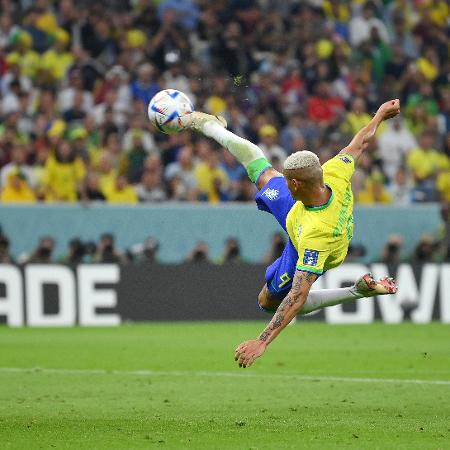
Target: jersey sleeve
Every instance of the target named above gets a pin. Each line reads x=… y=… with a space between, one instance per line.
x=312 y=255
x=341 y=167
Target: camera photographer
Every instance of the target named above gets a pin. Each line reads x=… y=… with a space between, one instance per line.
x=43 y=254
x=392 y=250
x=106 y=251
x=5 y=257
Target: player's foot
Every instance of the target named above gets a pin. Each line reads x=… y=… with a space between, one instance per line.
x=196 y=119
x=367 y=286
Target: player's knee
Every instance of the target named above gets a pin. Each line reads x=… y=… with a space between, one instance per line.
x=262 y=298
x=265 y=301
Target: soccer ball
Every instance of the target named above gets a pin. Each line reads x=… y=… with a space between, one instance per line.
x=166 y=109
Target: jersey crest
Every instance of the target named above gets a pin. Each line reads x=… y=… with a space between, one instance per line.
x=272 y=194
x=346 y=159
x=310 y=257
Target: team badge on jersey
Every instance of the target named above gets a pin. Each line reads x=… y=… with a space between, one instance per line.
x=345 y=159
x=271 y=194
x=310 y=257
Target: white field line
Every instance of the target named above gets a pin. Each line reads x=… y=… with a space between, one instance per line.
x=241 y=374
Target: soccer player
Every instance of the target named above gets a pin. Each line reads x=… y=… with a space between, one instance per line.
x=314 y=204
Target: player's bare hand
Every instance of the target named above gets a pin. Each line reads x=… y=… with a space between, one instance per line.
x=389 y=109
x=248 y=351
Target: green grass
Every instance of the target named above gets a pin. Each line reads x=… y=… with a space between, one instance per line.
x=194 y=396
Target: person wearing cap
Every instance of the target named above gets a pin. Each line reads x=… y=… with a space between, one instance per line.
x=23 y=53
x=56 y=60
x=77 y=136
x=268 y=143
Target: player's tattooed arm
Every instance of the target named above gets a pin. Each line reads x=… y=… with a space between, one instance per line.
x=247 y=352
x=290 y=306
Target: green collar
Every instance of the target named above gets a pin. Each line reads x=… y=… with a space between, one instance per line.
x=325 y=205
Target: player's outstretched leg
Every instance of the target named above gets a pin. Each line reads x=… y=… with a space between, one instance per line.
x=366 y=286
x=247 y=153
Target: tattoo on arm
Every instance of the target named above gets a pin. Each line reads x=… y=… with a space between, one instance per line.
x=292 y=303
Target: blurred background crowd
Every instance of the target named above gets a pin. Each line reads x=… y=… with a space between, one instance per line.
x=76 y=78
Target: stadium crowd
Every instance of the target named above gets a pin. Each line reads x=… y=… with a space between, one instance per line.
x=76 y=78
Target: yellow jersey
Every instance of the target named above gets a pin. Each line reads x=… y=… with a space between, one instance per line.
x=321 y=234
x=425 y=164
x=62 y=179
x=126 y=195
x=206 y=177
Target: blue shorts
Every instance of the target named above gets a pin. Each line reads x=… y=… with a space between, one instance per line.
x=276 y=199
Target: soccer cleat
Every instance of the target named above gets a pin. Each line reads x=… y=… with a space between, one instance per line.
x=367 y=286
x=197 y=119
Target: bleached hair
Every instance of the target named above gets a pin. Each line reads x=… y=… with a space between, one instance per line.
x=301 y=160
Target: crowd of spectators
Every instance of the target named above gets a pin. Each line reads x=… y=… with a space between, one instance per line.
x=76 y=77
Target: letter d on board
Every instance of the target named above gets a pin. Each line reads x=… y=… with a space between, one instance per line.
x=36 y=276
x=11 y=305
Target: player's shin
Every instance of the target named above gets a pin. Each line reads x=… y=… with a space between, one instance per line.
x=328 y=297
x=366 y=286
x=247 y=153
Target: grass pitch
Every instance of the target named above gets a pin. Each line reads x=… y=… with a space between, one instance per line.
x=176 y=386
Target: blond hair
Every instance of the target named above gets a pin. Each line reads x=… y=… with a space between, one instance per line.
x=301 y=160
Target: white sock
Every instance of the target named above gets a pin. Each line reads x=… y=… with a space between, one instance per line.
x=243 y=150
x=328 y=297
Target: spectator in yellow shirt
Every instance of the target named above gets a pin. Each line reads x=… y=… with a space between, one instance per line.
x=120 y=192
x=57 y=60
x=443 y=185
x=428 y=64
x=64 y=173
x=358 y=118
x=336 y=11
x=23 y=54
x=424 y=161
x=374 y=191
x=212 y=180
x=16 y=189
x=107 y=172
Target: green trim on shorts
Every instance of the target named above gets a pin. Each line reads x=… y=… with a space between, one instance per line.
x=308 y=269
x=255 y=168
